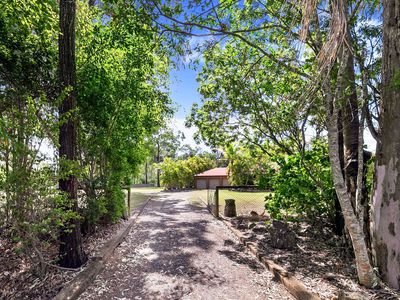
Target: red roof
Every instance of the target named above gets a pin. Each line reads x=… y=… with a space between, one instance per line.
x=216 y=172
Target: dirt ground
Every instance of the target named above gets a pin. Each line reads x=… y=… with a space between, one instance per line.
x=177 y=250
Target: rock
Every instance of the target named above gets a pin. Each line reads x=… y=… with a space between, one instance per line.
x=259 y=228
x=329 y=276
x=240 y=225
x=254 y=217
x=282 y=237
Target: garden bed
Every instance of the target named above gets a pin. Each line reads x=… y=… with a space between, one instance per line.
x=312 y=254
x=18 y=280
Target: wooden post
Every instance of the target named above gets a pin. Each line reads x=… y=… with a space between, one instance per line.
x=230 y=208
x=129 y=201
x=216 y=203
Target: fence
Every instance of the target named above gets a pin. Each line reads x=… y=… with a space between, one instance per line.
x=247 y=199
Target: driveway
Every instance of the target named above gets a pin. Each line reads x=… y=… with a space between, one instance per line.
x=177 y=250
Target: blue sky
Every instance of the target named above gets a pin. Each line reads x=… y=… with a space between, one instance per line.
x=184 y=90
x=184 y=93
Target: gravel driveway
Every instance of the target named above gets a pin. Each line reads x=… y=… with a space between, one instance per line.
x=177 y=250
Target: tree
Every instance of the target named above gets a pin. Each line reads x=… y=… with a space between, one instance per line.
x=71 y=252
x=165 y=143
x=178 y=174
x=385 y=200
x=118 y=95
x=332 y=96
x=242 y=165
x=186 y=151
x=248 y=98
x=121 y=75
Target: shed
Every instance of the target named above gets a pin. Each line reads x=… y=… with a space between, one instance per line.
x=211 y=178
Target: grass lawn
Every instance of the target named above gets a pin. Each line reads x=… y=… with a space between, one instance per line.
x=147 y=190
x=245 y=201
x=140 y=195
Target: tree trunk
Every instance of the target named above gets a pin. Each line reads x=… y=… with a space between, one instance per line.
x=365 y=272
x=145 y=171
x=362 y=205
x=7 y=177
x=350 y=122
x=71 y=252
x=339 y=220
x=158 y=161
x=386 y=192
x=366 y=275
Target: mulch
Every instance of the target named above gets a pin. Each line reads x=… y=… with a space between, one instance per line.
x=318 y=258
x=19 y=278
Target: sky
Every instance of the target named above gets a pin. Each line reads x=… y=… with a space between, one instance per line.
x=183 y=92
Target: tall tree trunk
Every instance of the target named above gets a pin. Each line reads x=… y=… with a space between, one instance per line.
x=362 y=205
x=145 y=173
x=7 y=177
x=71 y=252
x=339 y=220
x=350 y=121
x=353 y=132
x=333 y=102
x=158 y=161
x=365 y=271
x=386 y=193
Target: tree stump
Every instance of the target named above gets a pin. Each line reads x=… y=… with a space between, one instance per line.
x=230 y=208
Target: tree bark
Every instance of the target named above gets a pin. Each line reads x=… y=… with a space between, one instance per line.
x=70 y=251
x=145 y=173
x=386 y=193
x=350 y=122
x=333 y=103
x=365 y=271
x=158 y=161
x=339 y=220
x=7 y=177
x=362 y=205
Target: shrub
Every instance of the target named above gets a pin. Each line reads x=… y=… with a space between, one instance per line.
x=178 y=174
x=295 y=191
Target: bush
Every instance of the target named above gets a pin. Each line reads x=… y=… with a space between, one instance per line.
x=178 y=174
x=295 y=192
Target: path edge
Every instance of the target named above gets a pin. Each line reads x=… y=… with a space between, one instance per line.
x=74 y=288
x=295 y=287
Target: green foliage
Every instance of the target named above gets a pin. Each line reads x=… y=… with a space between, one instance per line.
x=31 y=208
x=120 y=73
x=294 y=192
x=369 y=176
x=242 y=166
x=178 y=174
x=246 y=98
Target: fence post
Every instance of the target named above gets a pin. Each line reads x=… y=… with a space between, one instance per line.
x=129 y=201
x=217 y=202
